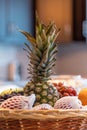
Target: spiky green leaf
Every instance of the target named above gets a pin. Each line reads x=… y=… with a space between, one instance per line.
x=29 y=37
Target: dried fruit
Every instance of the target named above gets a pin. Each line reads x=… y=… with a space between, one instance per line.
x=65 y=90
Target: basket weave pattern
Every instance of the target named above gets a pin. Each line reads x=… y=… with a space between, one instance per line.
x=43 y=120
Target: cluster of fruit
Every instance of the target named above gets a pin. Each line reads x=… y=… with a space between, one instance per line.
x=67 y=101
x=65 y=90
x=26 y=102
x=10 y=93
x=15 y=99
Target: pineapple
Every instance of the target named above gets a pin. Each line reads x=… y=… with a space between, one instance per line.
x=41 y=54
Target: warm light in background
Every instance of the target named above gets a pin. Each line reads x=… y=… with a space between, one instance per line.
x=60 y=11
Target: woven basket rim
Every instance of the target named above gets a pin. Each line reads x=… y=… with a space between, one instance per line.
x=42 y=114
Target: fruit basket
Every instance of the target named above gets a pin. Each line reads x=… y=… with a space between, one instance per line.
x=41 y=55
x=43 y=120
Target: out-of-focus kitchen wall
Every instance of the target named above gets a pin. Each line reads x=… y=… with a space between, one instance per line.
x=71 y=57
x=14 y=15
x=13 y=63
x=7 y=56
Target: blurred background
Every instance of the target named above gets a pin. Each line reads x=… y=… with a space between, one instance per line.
x=69 y=15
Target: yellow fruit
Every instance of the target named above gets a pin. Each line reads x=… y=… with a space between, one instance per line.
x=83 y=96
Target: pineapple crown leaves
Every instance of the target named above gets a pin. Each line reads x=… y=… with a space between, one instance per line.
x=42 y=51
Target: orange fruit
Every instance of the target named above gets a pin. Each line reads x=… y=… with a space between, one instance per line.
x=83 y=96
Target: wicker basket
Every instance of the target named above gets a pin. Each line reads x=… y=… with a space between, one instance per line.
x=43 y=120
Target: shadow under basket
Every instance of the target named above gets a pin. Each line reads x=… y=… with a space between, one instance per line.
x=43 y=119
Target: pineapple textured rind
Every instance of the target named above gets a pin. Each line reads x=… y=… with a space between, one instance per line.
x=44 y=92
